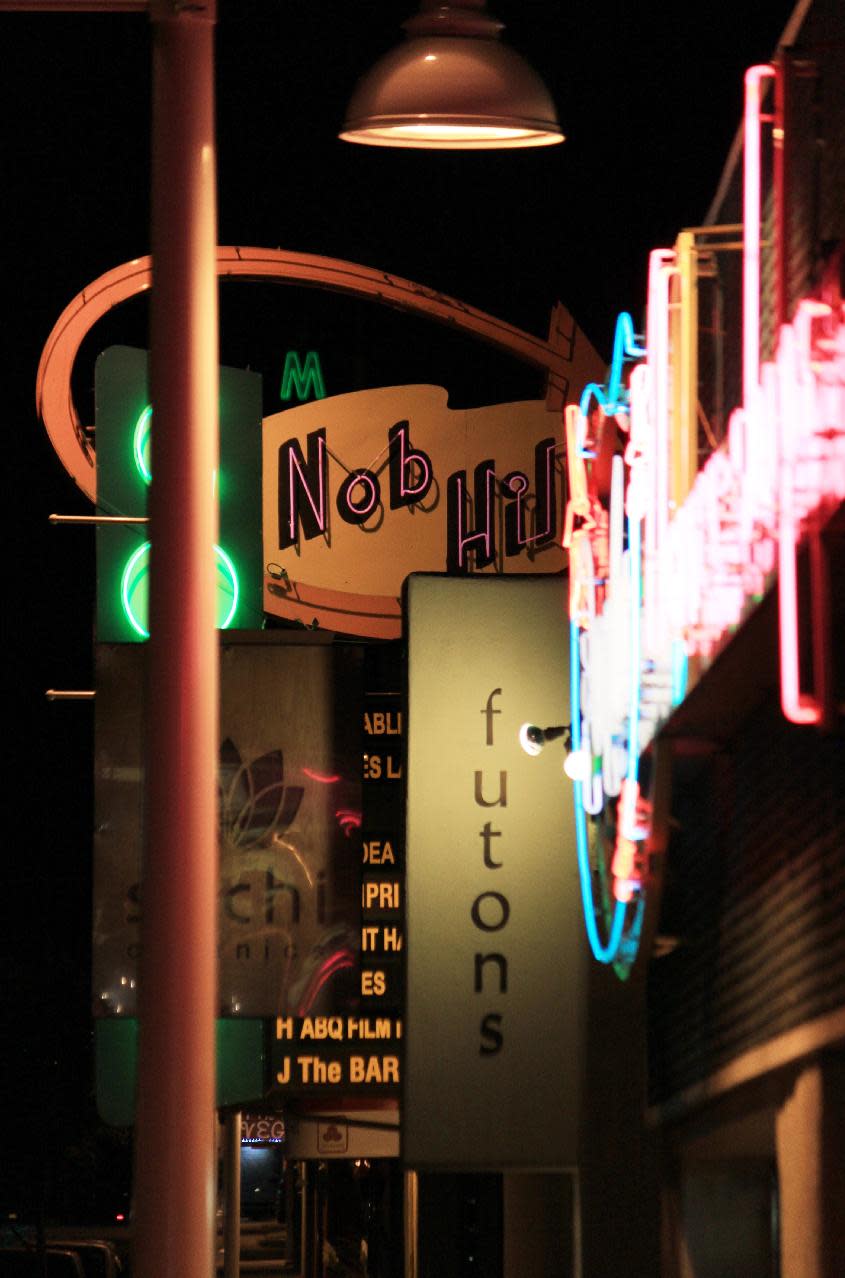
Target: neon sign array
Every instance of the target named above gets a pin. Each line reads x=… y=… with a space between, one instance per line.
x=652 y=585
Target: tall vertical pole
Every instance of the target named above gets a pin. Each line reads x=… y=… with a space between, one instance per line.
x=232 y=1196
x=175 y=1170
x=411 y=1217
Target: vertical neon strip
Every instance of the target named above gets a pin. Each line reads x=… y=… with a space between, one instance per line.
x=685 y=435
x=797 y=707
x=603 y=953
x=783 y=92
x=660 y=270
x=579 y=499
x=680 y=666
x=617 y=527
x=752 y=181
x=634 y=562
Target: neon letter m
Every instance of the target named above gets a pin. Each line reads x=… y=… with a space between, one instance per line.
x=305 y=378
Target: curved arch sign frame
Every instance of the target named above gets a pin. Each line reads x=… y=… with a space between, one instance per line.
x=566 y=356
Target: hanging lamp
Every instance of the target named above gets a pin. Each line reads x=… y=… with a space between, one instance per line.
x=452 y=85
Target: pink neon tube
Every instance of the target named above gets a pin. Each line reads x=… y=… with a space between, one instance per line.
x=660 y=270
x=751 y=234
x=798 y=706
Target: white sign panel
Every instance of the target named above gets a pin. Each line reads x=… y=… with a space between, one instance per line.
x=496 y=965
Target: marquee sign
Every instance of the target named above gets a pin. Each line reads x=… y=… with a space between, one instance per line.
x=362 y=489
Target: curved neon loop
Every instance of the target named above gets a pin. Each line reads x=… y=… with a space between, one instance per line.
x=612 y=397
x=231 y=572
x=337 y=962
x=141 y=443
x=322 y=777
x=54 y=399
x=127 y=582
x=622 y=943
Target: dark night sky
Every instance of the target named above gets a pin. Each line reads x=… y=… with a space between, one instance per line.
x=650 y=98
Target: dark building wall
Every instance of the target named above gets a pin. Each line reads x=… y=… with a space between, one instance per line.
x=755 y=897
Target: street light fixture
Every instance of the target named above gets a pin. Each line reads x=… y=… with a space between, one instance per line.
x=452 y=86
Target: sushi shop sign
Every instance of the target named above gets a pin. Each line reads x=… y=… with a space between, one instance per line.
x=361 y=489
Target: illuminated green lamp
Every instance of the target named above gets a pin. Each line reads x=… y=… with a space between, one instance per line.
x=134 y=583
x=123 y=418
x=141 y=439
x=134 y=589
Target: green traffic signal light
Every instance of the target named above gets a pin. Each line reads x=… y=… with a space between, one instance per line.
x=124 y=473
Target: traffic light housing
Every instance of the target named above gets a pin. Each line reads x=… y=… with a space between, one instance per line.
x=123 y=417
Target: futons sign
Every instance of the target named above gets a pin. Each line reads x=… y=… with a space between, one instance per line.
x=495 y=975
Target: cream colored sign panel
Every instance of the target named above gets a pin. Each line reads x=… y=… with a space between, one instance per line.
x=361 y=489
x=495 y=957
x=360 y=1133
x=289 y=770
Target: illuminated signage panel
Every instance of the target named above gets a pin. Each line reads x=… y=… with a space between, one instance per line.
x=361 y=489
x=495 y=960
x=290 y=874
x=124 y=472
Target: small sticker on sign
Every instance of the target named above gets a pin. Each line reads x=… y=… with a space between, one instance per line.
x=332 y=1138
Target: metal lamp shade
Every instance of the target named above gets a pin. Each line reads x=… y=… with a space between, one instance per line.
x=452 y=92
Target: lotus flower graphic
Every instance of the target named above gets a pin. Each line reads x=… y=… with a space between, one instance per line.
x=255 y=803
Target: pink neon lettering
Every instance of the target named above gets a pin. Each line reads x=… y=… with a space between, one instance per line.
x=298 y=483
x=363 y=479
x=517 y=485
x=484 y=536
x=754 y=77
x=480 y=541
x=407 y=459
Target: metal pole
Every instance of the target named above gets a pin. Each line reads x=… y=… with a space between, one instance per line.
x=232 y=1195
x=290 y=1213
x=411 y=1218
x=306 y=1224
x=175 y=1173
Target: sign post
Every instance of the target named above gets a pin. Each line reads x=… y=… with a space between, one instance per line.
x=175 y=1154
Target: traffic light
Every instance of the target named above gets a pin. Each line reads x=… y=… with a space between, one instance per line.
x=124 y=471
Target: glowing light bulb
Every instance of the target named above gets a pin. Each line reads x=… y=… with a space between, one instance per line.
x=578 y=765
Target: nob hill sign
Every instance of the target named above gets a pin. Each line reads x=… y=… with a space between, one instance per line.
x=362 y=489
